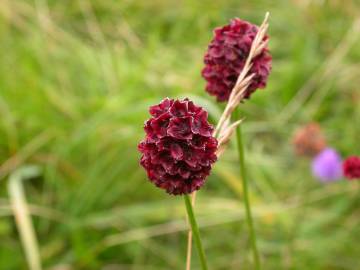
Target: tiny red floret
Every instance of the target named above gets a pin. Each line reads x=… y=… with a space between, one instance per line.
x=351 y=167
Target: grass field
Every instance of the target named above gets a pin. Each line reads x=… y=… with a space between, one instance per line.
x=76 y=80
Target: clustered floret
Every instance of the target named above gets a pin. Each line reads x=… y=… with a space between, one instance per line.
x=351 y=167
x=226 y=57
x=179 y=148
x=309 y=140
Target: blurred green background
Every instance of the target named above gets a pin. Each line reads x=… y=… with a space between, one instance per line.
x=76 y=80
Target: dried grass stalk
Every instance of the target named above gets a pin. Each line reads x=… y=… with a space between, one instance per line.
x=22 y=215
x=243 y=81
x=225 y=128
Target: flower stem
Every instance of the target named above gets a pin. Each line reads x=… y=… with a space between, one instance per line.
x=246 y=193
x=195 y=232
x=189 y=244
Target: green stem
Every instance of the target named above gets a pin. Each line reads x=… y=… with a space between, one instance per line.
x=195 y=231
x=246 y=193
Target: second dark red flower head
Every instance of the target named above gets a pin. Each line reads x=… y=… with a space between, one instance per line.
x=226 y=57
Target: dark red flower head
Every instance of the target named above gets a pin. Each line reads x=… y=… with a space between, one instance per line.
x=226 y=56
x=351 y=167
x=179 y=148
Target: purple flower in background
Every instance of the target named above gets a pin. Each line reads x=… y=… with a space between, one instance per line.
x=327 y=166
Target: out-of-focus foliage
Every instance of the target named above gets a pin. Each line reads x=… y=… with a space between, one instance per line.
x=76 y=79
